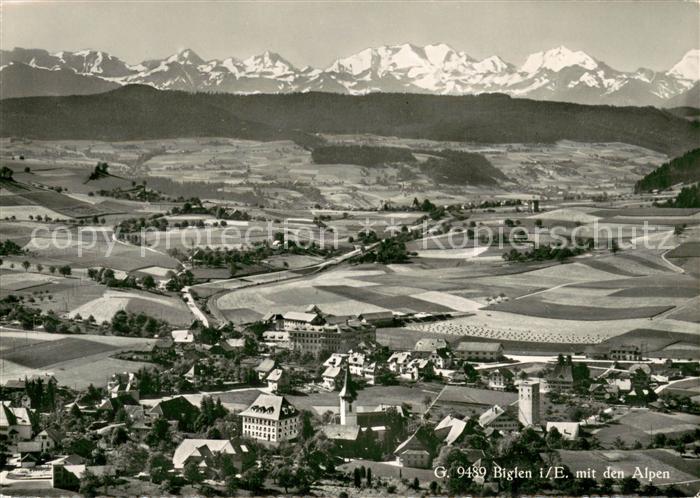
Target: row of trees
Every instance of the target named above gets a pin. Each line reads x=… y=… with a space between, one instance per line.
x=549 y=252
x=137 y=324
x=107 y=277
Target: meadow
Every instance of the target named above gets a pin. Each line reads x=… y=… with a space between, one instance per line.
x=281 y=188
x=75 y=360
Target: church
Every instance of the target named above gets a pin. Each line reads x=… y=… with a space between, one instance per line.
x=361 y=431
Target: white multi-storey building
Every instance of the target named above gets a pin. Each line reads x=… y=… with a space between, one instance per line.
x=271 y=420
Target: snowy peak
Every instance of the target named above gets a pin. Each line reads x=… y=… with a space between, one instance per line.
x=557 y=74
x=403 y=58
x=186 y=57
x=355 y=64
x=689 y=66
x=438 y=54
x=95 y=62
x=493 y=64
x=557 y=59
x=268 y=62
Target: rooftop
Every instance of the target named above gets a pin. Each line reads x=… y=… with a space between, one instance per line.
x=298 y=316
x=429 y=345
x=270 y=407
x=200 y=447
x=469 y=346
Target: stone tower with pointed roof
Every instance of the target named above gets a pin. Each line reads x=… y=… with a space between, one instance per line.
x=347 y=395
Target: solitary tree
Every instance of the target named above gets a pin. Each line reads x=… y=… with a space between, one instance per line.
x=5 y=173
x=89 y=484
x=192 y=474
x=158 y=467
x=26 y=265
x=357 y=477
x=614 y=247
x=148 y=282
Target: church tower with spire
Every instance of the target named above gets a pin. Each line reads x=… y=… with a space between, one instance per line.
x=348 y=395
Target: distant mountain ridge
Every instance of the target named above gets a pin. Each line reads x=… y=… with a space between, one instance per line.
x=139 y=112
x=558 y=74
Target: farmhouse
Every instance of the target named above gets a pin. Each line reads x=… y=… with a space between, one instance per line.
x=497 y=418
x=500 y=379
x=123 y=383
x=479 y=351
x=428 y=345
x=332 y=378
x=356 y=362
x=470 y=399
x=232 y=345
x=398 y=361
x=271 y=420
x=378 y=318
x=561 y=379
x=450 y=429
x=177 y=411
x=278 y=381
x=568 y=430
x=618 y=352
x=416 y=369
x=48 y=439
x=439 y=357
x=15 y=423
x=369 y=373
x=416 y=451
x=625 y=352
x=204 y=452
x=604 y=392
x=265 y=367
x=183 y=336
x=335 y=360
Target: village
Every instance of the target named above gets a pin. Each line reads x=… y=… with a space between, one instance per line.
x=305 y=400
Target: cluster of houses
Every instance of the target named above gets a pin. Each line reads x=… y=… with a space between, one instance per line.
x=502 y=396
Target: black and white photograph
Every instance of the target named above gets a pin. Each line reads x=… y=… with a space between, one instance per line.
x=349 y=248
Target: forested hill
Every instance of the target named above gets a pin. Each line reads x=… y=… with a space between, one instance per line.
x=142 y=112
x=683 y=169
x=135 y=112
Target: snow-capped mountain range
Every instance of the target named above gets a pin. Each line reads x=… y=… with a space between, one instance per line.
x=558 y=74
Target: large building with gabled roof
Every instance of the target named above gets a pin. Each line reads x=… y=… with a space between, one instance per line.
x=313 y=331
x=479 y=351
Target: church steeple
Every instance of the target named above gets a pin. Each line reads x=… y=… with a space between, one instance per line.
x=347 y=396
x=348 y=391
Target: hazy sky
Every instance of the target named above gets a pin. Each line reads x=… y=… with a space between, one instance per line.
x=625 y=34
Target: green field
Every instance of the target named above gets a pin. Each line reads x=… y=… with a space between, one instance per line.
x=39 y=355
x=75 y=360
